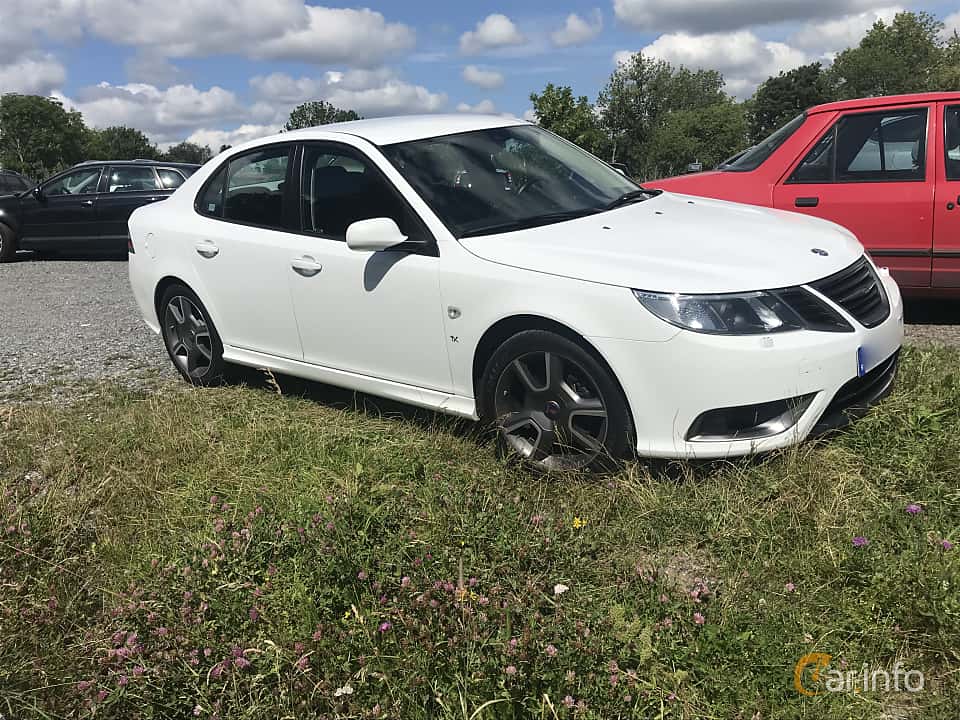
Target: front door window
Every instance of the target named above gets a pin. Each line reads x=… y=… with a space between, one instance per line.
x=80 y=182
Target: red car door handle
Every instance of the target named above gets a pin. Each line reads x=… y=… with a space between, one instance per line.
x=807 y=202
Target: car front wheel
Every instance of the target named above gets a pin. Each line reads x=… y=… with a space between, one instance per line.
x=191 y=339
x=555 y=405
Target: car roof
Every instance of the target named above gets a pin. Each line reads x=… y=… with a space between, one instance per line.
x=157 y=163
x=885 y=101
x=389 y=130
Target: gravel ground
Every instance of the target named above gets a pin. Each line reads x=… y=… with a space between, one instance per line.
x=66 y=321
x=69 y=321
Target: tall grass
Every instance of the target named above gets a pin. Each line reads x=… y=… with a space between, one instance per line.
x=234 y=554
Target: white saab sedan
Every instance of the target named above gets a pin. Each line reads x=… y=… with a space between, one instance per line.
x=483 y=267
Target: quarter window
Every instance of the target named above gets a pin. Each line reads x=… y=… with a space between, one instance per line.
x=170 y=179
x=79 y=182
x=254 y=188
x=870 y=147
x=340 y=187
x=211 y=200
x=952 y=142
x=132 y=179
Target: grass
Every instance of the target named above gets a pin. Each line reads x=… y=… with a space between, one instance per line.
x=233 y=553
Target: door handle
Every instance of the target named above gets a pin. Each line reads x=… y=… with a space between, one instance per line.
x=206 y=249
x=87 y=203
x=153 y=199
x=306 y=266
x=806 y=202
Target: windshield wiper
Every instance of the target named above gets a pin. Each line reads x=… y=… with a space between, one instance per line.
x=530 y=222
x=633 y=196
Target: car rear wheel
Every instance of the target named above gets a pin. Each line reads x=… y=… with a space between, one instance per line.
x=555 y=405
x=190 y=337
x=8 y=244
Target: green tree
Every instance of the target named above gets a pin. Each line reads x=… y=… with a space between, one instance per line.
x=946 y=76
x=780 y=98
x=188 y=152
x=707 y=135
x=903 y=57
x=572 y=118
x=641 y=92
x=118 y=143
x=318 y=112
x=38 y=136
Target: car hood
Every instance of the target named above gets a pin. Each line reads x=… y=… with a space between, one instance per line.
x=678 y=243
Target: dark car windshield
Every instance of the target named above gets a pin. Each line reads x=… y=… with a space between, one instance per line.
x=754 y=157
x=508 y=178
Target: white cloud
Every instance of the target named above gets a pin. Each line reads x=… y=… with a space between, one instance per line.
x=218 y=138
x=744 y=59
x=162 y=114
x=484 y=107
x=494 y=31
x=39 y=75
x=263 y=29
x=183 y=28
x=831 y=36
x=577 y=31
x=952 y=25
x=362 y=38
x=488 y=79
x=370 y=92
x=530 y=115
x=711 y=16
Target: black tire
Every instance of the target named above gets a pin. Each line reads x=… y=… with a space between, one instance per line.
x=190 y=337
x=8 y=243
x=555 y=404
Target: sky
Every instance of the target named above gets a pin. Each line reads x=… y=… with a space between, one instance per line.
x=224 y=71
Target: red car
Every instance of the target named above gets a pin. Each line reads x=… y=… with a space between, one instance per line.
x=887 y=168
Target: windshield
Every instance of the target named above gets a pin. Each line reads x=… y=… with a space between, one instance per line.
x=504 y=179
x=752 y=158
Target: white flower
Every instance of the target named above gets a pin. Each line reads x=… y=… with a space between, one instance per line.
x=345 y=690
x=559 y=589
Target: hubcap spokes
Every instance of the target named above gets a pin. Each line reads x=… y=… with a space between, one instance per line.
x=188 y=337
x=550 y=411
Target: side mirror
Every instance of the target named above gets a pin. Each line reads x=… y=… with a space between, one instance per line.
x=695 y=167
x=375 y=234
x=38 y=192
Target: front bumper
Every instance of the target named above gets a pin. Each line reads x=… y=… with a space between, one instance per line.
x=670 y=384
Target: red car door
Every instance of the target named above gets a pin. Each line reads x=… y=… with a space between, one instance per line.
x=946 y=209
x=872 y=172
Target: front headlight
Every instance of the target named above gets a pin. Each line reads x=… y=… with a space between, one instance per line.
x=752 y=313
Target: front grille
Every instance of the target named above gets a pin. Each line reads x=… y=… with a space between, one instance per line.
x=814 y=312
x=856 y=396
x=858 y=290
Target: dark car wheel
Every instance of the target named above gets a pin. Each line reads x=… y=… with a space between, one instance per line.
x=8 y=244
x=555 y=405
x=191 y=339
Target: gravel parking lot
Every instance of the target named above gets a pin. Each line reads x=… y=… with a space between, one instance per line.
x=64 y=321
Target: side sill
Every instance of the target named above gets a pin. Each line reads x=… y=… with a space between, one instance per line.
x=431 y=399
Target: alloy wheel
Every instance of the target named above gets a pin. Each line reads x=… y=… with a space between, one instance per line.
x=188 y=337
x=550 y=411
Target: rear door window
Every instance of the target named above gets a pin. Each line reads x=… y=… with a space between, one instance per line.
x=951 y=134
x=132 y=178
